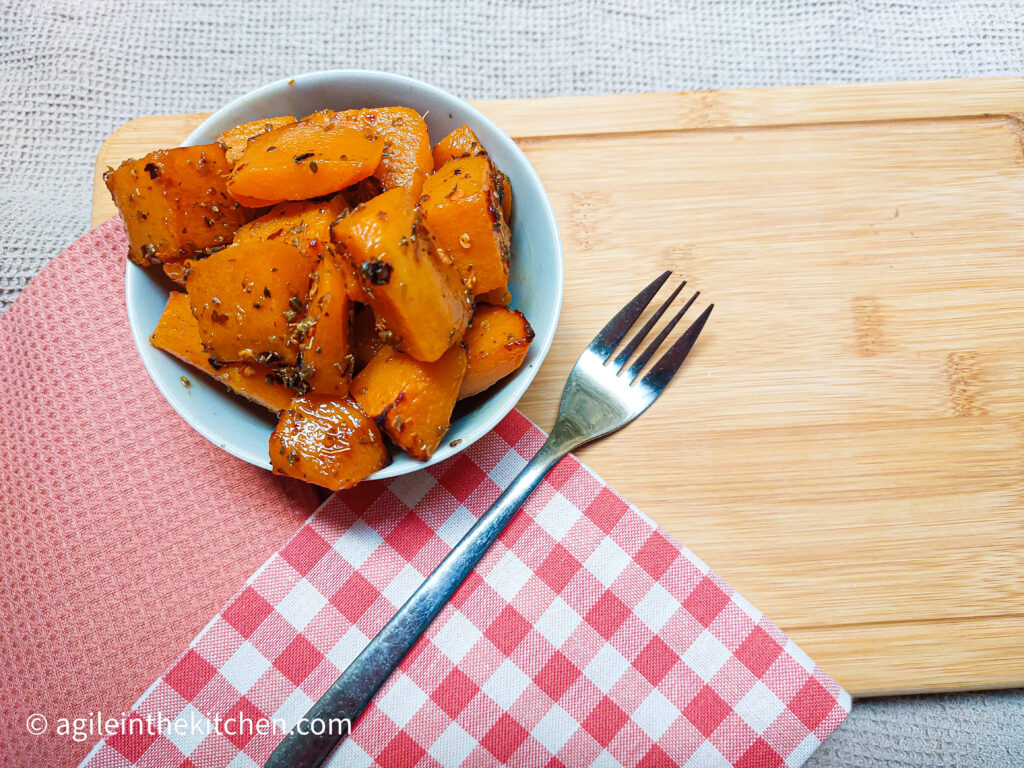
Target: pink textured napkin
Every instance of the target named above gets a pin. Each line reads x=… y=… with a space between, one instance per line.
x=123 y=529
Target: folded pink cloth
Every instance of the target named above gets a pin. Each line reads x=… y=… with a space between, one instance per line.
x=586 y=636
x=123 y=529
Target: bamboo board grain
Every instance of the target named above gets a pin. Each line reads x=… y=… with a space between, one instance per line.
x=847 y=444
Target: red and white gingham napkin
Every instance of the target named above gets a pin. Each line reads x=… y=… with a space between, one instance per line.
x=586 y=637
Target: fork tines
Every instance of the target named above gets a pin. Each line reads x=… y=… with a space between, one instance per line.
x=616 y=329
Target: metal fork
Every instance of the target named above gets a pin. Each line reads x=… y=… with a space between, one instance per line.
x=599 y=398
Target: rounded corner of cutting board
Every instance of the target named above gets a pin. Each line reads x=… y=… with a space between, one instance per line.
x=137 y=137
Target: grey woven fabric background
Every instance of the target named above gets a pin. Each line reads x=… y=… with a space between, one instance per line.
x=71 y=72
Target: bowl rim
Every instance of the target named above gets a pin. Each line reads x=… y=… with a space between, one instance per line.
x=526 y=377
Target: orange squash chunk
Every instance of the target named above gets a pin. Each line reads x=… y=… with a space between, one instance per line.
x=462 y=142
x=248 y=299
x=499 y=297
x=320 y=117
x=406 y=159
x=234 y=140
x=302 y=160
x=496 y=345
x=420 y=303
x=305 y=224
x=413 y=399
x=326 y=353
x=328 y=441
x=365 y=340
x=176 y=271
x=174 y=203
x=353 y=285
x=177 y=332
x=461 y=210
x=353 y=288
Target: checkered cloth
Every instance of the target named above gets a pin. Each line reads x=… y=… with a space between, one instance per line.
x=585 y=637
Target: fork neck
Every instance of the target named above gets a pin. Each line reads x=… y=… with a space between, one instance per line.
x=564 y=437
x=567 y=435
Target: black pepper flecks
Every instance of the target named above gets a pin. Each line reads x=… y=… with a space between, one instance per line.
x=376 y=272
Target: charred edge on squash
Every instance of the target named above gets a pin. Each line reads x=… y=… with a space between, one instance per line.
x=382 y=418
x=528 y=336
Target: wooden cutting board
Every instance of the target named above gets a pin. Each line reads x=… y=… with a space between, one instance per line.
x=846 y=443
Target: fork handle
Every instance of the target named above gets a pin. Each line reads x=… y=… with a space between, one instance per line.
x=352 y=692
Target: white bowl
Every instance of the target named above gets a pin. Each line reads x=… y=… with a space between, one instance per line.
x=243 y=429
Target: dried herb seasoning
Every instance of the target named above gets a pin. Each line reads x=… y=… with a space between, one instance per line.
x=376 y=272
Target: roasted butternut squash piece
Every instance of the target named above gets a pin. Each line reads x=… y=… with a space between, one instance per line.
x=327 y=360
x=321 y=117
x=353 y=284
x=365 y=340
x=496 y=345
x=234 y=140
x=420 y=303
x=176 y=270
x=302 y=160
x=328 y=441
x=406 y=159
x=413 y=399
x=177 y=332
x=462 y=142
x=248 y=300
x=461 y=210
x=174 y=203
x=305 y=224
x=499 y=297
